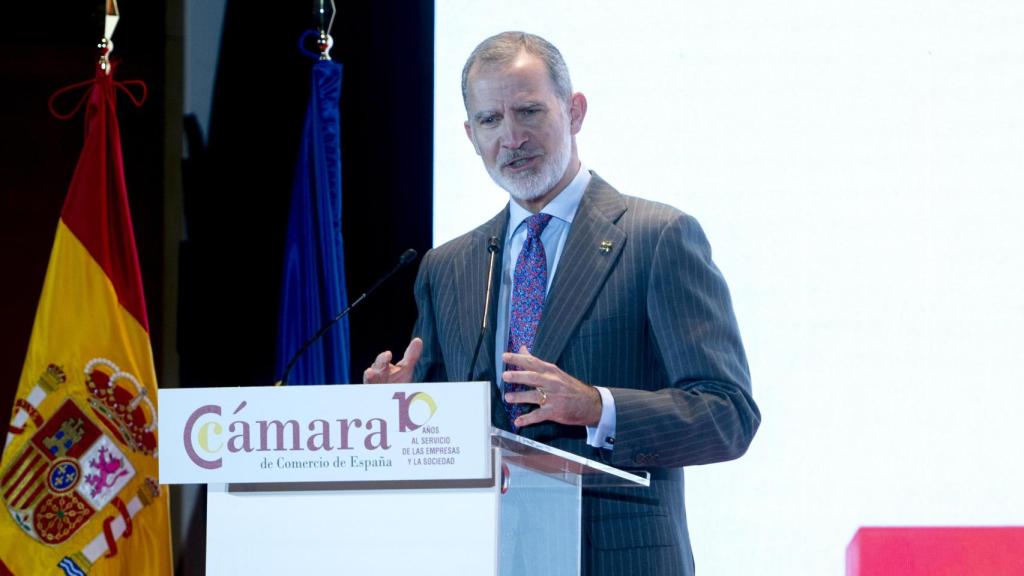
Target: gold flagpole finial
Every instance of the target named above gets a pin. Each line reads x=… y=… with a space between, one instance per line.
x=106 y=45
x=325 y=41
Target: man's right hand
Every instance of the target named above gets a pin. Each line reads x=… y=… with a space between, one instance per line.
x=384 y=372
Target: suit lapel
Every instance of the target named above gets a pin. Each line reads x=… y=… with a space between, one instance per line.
x=591 y=250
x=472 y=272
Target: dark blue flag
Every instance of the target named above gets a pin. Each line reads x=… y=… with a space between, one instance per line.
x=313 y=289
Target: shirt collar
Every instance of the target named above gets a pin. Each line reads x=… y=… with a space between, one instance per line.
x=562 y=206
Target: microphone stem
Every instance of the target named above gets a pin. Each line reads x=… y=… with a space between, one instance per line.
x=492 y=247
x=404 y=259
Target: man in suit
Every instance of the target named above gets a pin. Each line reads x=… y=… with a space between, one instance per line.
x=611 y=321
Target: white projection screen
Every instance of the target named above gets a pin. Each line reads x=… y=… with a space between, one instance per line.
x=859 y=170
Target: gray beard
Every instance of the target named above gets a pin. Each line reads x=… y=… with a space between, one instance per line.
x=533 y=185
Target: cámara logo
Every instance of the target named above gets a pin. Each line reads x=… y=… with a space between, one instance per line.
x=207 y=435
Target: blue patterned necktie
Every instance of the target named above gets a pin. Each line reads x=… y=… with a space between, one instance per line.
x=529 y=285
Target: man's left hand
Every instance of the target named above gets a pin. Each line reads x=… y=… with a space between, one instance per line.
x=559 y=397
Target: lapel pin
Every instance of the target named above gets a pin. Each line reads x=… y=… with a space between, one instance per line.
x=606 y=246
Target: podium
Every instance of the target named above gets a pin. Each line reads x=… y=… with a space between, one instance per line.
x=517 y=513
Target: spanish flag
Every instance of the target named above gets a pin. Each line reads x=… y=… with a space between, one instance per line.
x=78 y=477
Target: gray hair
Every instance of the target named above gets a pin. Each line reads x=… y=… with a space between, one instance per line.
x=505 y=47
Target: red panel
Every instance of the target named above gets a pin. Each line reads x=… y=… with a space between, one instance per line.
x=947 y=551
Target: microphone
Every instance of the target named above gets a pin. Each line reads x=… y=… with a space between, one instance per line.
x=403 y=260
x=492 y=248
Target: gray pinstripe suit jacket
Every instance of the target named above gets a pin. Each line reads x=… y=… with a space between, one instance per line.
x=652 y=320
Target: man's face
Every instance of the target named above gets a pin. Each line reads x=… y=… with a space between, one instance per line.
x=520 y=128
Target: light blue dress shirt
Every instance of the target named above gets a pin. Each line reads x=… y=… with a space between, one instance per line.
x=562 y=210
